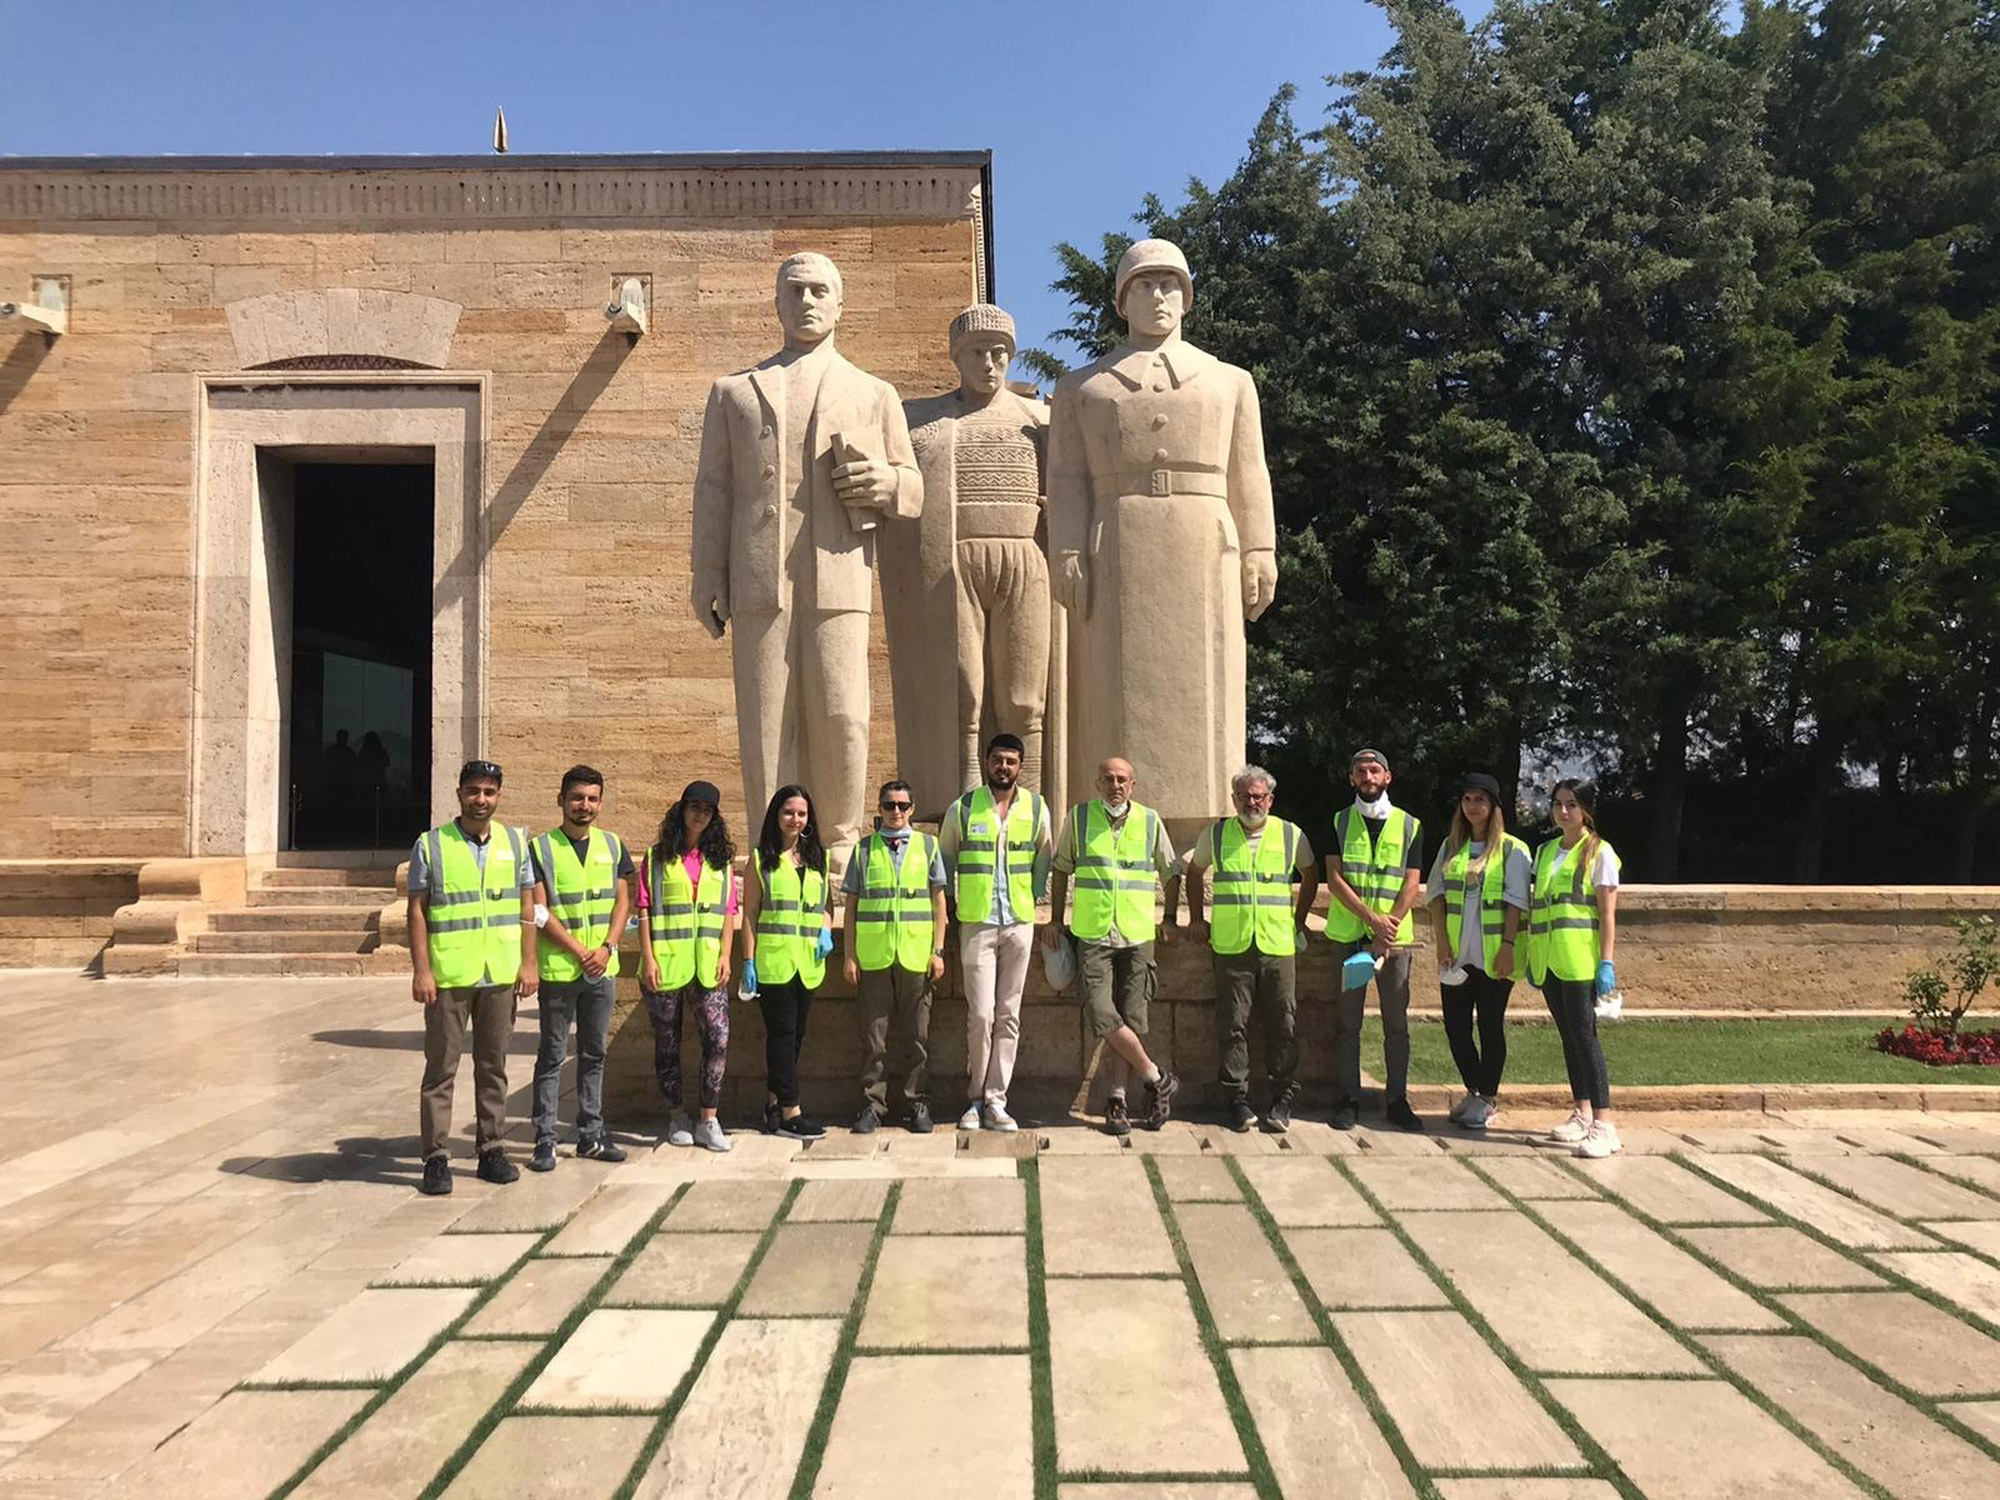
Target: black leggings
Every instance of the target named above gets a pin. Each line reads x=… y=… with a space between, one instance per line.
x=1573 y=1003
x=1480 y=1063
x=785 y=1008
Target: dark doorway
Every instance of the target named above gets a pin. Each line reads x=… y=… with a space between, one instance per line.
x=360 y=740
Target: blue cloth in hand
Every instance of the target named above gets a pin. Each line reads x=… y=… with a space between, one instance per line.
x=1607 y=977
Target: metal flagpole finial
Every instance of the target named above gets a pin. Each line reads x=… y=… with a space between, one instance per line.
x=500 y=131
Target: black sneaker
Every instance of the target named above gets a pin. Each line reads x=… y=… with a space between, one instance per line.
x=774 y=1117
x=1345 y=1115
x=919 y=1120
x=598 y=1148
x=867 y=1120
x=496 y=1169
x=1241 y=1116
x=1117 y=1121
x=544 y=1159
x=1160 y=1100
x=1399 y=1114
x=437 y=1177
x=1278 y=1118
x=801 y=1128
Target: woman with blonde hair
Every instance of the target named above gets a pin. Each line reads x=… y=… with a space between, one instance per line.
x=1572 y=934
x=1479 y=887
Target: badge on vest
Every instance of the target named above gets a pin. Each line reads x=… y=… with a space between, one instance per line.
x=981 y=828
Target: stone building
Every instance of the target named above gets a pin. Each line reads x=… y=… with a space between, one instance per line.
x=341 y=473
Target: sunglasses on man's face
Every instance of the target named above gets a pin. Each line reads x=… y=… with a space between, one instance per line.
x=895 y=807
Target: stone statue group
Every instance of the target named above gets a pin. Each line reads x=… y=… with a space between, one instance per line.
x=1076 y=574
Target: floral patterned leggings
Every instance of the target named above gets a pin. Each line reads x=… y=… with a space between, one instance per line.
x=711 y=1018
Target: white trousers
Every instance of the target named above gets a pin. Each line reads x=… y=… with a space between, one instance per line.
x=994 y=961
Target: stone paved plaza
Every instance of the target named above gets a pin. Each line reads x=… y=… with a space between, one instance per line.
x=218 y=1280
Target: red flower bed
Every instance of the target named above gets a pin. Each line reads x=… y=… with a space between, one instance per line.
x=1974 y=1048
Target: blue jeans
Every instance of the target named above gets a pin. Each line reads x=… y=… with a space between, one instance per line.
x=587 y=1002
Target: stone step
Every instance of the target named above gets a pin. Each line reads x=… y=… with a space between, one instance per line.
x=350 y=941
x=321 y=895
x=382 y=875
x=273 y=965
x=295 y=919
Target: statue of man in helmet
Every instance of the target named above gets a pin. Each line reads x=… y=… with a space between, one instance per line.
x=1163 y=543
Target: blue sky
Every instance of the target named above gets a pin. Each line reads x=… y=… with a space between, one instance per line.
x=1087 y=106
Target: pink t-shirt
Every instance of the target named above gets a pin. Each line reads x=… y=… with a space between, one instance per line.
x=691 y=862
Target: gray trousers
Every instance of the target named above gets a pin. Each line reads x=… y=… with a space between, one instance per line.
x=587 y=1002
x=1392 y=988
x=487 y=1012
x=894 y=1007
x=1267 y=981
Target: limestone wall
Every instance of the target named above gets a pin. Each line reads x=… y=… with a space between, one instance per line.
x=56 y=914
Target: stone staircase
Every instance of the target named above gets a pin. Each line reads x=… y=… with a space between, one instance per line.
x=298 y=919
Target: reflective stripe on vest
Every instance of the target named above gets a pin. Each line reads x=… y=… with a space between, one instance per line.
x=1562 y=919
x=1252 y=899
x=687 y=921
x=581 y=895
x=1376 y=872
x=790 y=917
x=979 y=848
x=1492 y=908
x=1114 y=875
x=892 y=915
x=474 y=917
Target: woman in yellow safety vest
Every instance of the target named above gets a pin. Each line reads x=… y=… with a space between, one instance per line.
x=787 y=934
x=1572 y=934
x=687 y=910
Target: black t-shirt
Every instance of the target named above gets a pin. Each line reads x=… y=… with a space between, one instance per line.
x=1413 y=856
x=625 y=870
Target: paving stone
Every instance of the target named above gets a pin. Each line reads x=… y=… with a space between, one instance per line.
x=1099 y=1217
x=1307 y=1193
x=1838 y=1217
x=1680 y=1288
x=743 y=1428
x=1315 y=1430
x=1362 y=1268
x=1901 y=1190
x=1982 y=1235
x=948 y=1292
x=1905 y=1338
x=739 y=1205
x=631 y=1358
x=1110 y=1340
x=1777 y=1257
x=1249 y=1293
x=1193 y=1490
x=1553 y=1311
x=1978 y=1171
x=1198 y=1179
x=1983 y=1417
x=1408 y=1184
x=683 y=1270
x=1456 y=1403
x=1536 y=1178
x=1964 y=1279
x=552 y=1458
x=834 y=1201
x=608 y=1222
x=42 y=1392
x=1667 y=1191
x=538 y=1201
x=811 y=1270
x=1387 y=1142
x=1882 y=1435
x=1697 y=1440
x=932 y=1421
x=1462 y=1143
x=1525 y=1489
x=408 y=1438
x=1889 y=1141
x=461 y=1259
x=245 y=1445
x=1734 y=1140
x=370 y=1338
x=962 y=1205
x=536 y=1298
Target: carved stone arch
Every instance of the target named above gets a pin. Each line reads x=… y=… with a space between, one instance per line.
x=287 y=327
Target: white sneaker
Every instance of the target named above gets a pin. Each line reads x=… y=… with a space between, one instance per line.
x=997 y=1118
x=1477 y=1113
x=680 y=1131
x=1458 y=1110
x=970 y=1119
x=709 y=1134
x=1572 y=1130
x=1601 y=1142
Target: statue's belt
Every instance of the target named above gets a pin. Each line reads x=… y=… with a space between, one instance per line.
x=1172 y=482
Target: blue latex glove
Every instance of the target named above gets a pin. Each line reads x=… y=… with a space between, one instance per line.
x=825 y=942
x=749 y=977
x=1607 y=977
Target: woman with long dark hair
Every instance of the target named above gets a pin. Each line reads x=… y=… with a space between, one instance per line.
x=1572 y=934
x=787 y=934
x=687 y=909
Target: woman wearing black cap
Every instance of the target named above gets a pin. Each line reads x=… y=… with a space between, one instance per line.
x=1479 y=887
x=687 y=907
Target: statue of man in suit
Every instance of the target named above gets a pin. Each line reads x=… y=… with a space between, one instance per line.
x=801 y=457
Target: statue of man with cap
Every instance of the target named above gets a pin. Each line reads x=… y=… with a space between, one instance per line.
x=801 y=458
x=1163 y=543
x=965 y=587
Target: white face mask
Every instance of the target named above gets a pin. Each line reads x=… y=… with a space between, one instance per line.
x=1116 y=809
x=1379 y=808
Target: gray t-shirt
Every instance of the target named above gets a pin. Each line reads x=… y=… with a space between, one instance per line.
x=851 y=881
x=1165 y=862
x=420 y=861
x=1516 y=881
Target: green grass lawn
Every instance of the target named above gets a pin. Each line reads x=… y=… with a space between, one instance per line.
x=1692 y=1051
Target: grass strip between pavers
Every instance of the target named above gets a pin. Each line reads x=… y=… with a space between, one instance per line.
x=1041 y=1374
x=843 y=1355
x=1930 y=1406
x=1601 y=1465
